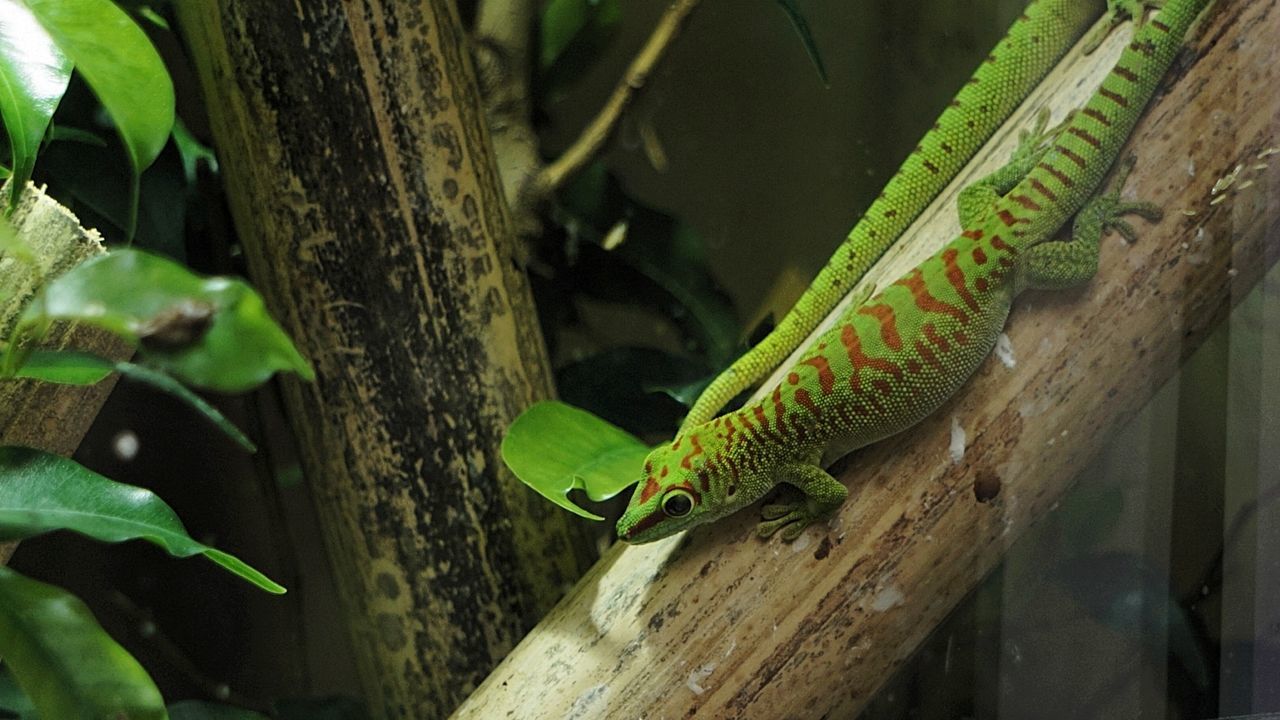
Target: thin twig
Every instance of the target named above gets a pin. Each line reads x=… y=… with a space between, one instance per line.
x=594 y=136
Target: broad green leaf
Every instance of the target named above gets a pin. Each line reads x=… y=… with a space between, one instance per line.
x=64 y=661
x=33 y=77
x=565 y=22
x=554 y=448
x=806 y=37
x=118 y=61
x=14 y=704
x=199 y=710
x=213 y=332
x=40 y=493
x=65 y=367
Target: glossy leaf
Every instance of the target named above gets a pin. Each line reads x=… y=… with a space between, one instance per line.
x=555 y=448
x=212 y=332
x=40 y=493
x=33 y=77
x=118 y=61
x=14 y=704
x=65 y=367
x=64 y=661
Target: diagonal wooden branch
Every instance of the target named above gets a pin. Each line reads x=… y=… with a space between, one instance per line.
x=718 y=624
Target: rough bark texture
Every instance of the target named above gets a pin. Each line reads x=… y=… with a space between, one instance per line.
x=719 y=624
x=50 y=417
x=362 y=184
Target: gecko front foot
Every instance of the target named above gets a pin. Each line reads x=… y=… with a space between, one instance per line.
x=790 y=518
x=822 y=495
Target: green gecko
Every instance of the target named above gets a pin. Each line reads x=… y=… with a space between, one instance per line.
x=893 y=358
x=1033 y=45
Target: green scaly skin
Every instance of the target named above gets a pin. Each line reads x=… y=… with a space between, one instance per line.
x=1034 y=44
x=893 y=358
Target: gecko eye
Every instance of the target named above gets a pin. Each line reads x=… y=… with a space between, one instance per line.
x=677 y=503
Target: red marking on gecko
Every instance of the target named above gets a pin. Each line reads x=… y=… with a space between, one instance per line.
x=650 y=488
x=758 y=411
x=1085 y=136
x=1057 y=174
x=1068 y=154
x=979 y=257
x=793 y=378
x=960 y=338
x=1006 y=217
x=972 y=234
x=1097 y=115
x=931 y=333
x=1025 y=202
x=1114 y=97
x=998 y=243
x=882 y=386
x=826 y=378
x=697 y=450
x=665 y=471
x=803 y=397
x=926 y=353
x=1040 y=188
x=779 y=412
x=981 y=284
x=914 y=281
x=1125 y=73
x=860 y=360
x=955 y=276
x=888 y=324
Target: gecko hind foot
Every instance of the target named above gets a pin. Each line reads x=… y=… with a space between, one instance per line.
x=1111 y=209
x=1120 y=11
x=789 y=517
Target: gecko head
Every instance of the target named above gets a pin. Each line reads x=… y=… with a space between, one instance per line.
x=669 y=497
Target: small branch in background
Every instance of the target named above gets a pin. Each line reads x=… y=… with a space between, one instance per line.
x=167 y=649
x=502 y=56
x=598 y=131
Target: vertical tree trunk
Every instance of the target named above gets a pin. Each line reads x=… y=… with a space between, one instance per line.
x=363 y=187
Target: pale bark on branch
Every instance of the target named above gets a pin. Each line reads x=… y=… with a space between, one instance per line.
x=719 y=624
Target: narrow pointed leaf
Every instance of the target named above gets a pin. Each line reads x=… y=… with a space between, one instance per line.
x=33 y=77
x=64 y=661
x=118 y=61
x=65 y=367
x=554 y=448
x=806 y=37
x=40 y=493
x=212 y=333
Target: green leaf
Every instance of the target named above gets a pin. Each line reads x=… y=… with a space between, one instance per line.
x=14 y=704
x=62 y=133
x=33 y=77
x=806 y=37
x=212 y=333
x=165 y=383
x=566 y=22
x=64 y=661
x=199 y=710
x=65 y=367
x=40 y=493
x=554 y=448
x=192 y=152
x=68 y=367
x=119 y=62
